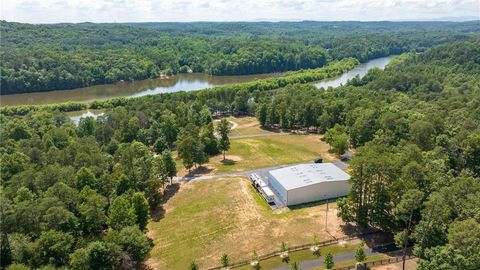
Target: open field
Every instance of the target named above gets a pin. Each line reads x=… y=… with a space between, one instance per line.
x=251 y=151
x=258 y=152
x=247 y=125
x=208 y=218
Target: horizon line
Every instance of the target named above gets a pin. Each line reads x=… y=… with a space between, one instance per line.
x=452 y=20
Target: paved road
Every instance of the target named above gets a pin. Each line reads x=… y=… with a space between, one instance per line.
x=347 y=256
x=262 y=172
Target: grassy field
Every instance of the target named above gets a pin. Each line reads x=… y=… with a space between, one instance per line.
x=205 y=219
x=246 y=126
x=258 y=152
x=251 y=151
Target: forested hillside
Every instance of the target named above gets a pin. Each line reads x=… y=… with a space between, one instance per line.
x=416 y=130
x=79 y=196
x=64 y=56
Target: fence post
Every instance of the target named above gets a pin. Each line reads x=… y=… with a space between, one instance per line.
x=302 y=247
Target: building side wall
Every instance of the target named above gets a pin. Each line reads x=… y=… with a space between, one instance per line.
x=317 y=192
x=277 y=188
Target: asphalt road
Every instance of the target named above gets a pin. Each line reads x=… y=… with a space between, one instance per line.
x=262 y=172
x=347 y=256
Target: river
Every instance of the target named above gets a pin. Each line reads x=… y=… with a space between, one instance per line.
x=180 y=82
x=360 y=70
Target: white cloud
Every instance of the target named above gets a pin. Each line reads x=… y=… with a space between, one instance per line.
x=48 y=11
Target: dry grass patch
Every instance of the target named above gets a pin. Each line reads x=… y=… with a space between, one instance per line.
x=208 y=218
x=247 y=125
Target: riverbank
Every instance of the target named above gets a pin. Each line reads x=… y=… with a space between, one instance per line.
x=180 y=82
x=303 y=76
x=359 y=70
x=175 y=83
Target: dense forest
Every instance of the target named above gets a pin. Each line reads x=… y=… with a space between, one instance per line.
x=65 y=56
x=416 y=130
x=78 y=196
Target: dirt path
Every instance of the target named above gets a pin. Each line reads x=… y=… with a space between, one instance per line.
x=234 y=125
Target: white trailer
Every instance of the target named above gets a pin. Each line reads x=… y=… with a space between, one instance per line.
x=267 y=194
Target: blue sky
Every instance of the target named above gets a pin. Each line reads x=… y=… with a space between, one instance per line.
x=53 y=11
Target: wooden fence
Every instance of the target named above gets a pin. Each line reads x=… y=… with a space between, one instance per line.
x=296 y=248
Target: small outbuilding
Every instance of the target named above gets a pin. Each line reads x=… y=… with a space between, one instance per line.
x=309 y=182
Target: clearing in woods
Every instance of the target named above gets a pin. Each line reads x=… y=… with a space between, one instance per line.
x=268 y=151
x=208 y=218
x=251 y=151
x=247 y=125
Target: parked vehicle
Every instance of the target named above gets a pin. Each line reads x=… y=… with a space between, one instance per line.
x=267 y=194
x=254 y=177
x=262 y=188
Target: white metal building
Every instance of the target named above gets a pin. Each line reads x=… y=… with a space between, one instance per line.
x=309 y=182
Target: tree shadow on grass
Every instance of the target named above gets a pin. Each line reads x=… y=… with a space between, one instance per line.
x=228 y=162
x=200 y=171
x=271 y=129
x=169 y=191
x=144 y=266
x=370 y=236
x=159 y=212
x=312 y=204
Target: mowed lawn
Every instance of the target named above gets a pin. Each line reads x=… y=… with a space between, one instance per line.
x=205 y=219
x=258 y=152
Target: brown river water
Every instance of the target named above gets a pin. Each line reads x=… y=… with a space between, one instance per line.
x=180 y=82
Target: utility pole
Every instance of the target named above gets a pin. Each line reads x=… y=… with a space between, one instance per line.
x=326 y=217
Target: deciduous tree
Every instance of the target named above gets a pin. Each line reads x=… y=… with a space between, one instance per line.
x=223 y=129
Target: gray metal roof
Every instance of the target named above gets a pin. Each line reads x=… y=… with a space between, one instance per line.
x=308 y=174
